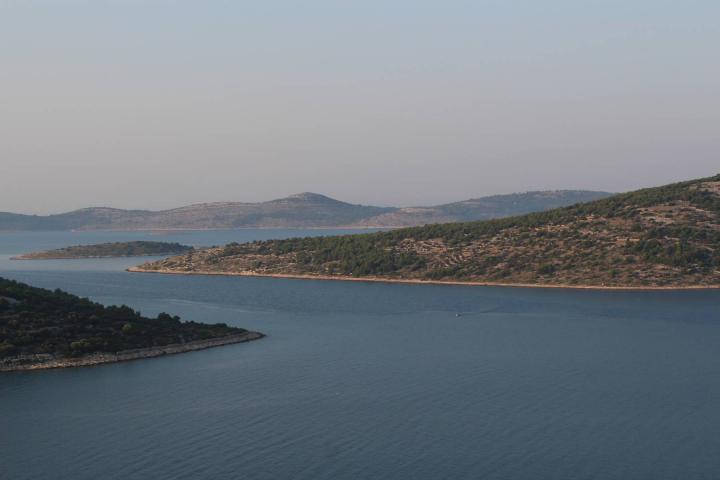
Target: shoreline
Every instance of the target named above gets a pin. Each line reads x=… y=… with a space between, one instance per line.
x=46 y=362
x=429 y=282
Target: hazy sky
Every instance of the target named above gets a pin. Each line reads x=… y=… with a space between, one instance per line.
x=154 y=104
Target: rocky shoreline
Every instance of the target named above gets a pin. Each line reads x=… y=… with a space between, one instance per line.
x=47 y=361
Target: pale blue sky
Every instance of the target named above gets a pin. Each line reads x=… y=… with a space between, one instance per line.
x=155 y=104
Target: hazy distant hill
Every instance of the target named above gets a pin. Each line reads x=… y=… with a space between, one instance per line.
x=301 y=210
x=665 y=236
x=485 y=208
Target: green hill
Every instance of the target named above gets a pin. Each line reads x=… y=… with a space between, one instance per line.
x=663 y=236
x=35 y=321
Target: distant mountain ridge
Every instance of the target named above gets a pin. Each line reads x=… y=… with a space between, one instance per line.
x=486 y=208
x=303 y=210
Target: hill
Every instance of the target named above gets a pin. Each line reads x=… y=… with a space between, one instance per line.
x=42 y=328
x=305 y=210
x=108 y=250
x=657 y=237
x=484 y=208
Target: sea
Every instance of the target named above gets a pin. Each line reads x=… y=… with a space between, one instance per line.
x=370 y=380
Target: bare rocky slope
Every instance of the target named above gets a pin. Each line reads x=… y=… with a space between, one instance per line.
x=657 y=237
x=305 y=210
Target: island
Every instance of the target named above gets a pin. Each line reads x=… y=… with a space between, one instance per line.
x=661 y=237
x=108 y=250
x=42 y=329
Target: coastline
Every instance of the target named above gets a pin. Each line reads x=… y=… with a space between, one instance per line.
x=45 y=362
x=430 y=282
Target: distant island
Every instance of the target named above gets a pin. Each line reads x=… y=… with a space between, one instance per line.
x=304 y=210
x=51 y=329
x=108 y=250
x=663 y=237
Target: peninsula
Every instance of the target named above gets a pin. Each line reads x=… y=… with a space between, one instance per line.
x=108 y=250
x=662 y=237
x=42 y=329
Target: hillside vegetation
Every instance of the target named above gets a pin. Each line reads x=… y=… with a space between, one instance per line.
x=106 y=250
x=663 y=236
x=38 y=321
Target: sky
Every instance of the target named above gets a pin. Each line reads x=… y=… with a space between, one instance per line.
x=157 y=103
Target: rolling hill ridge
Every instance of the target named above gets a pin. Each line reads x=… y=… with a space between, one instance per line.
x=304 y=210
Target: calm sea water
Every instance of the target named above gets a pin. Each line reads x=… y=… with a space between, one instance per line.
x=372 y=381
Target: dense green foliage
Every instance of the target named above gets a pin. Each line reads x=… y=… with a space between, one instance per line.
x=115 y=249
x=35 y=320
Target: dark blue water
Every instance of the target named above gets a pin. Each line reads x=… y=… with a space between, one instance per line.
x=373 y=381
